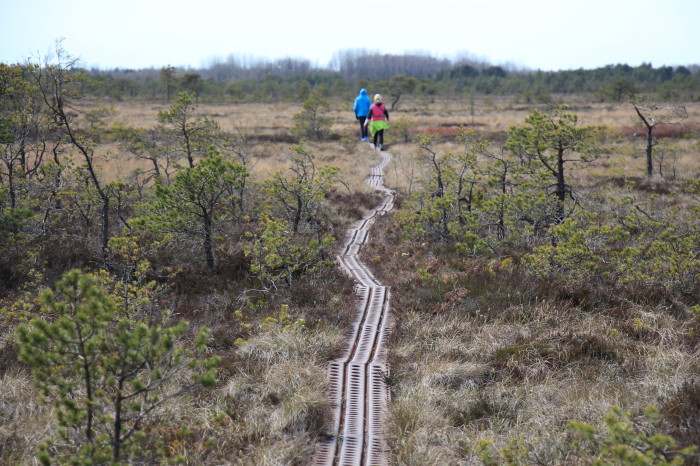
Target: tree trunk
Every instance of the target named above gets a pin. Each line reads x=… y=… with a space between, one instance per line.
x=561 y=184
x=11 y=183
x=55 y=104
x=650 y=145
x=297 y=215
x=105 y=226
x=650 y=141
x=156 y=168
x=87 y=380
x=395 y=101
x=502 y=208
x=208 y=252
x=117 y=441
x=188 y=148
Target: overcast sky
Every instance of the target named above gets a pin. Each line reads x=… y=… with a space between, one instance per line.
x=535 y=34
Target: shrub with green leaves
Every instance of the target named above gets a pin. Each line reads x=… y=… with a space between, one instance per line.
x=13 y=232
x=635 y=247
x=625 y=440
x=628 y=440
x=480 y=198
x=276 y=255
x=443 y=207
x=402 y=131
x=192 y=135
x=298 y=195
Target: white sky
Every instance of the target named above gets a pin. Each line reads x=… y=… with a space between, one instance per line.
x=537 y=34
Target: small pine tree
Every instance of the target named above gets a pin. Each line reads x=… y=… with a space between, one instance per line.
x=300 y=194
x=554 y=141
x=197 y=201
x=104 y=377
x=311 y=122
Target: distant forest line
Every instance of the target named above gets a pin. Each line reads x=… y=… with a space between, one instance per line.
x=291 y=79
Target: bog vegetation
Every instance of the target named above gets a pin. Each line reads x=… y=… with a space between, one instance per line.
x=167 y=290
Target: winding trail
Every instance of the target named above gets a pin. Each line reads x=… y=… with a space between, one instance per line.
x=357 y=390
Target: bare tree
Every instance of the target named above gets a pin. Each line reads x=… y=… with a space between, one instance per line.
x=54 y=82
x=360 y=63
x=653 y=115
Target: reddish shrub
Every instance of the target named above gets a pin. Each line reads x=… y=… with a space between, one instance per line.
x=442 y=131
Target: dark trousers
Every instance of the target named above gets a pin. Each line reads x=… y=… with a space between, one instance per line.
x=379 y=135
x=363 y=129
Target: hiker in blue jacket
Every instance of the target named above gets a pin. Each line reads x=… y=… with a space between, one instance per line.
x=361 y=109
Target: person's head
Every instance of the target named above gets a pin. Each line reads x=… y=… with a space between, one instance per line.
x=363 y=91
x=377 y=98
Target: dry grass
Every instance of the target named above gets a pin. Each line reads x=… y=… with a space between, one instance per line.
x=490 y=114
x=492 y=117
x=24 y=421
x=269 y=409
x=268 y=125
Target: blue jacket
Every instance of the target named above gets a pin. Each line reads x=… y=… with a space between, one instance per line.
x=362 y=103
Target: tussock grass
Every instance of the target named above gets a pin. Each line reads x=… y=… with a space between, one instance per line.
x=281 y=397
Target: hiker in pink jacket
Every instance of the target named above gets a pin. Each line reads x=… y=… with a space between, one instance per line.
x=378 y=121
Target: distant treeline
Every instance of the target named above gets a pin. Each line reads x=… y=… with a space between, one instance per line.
x=290 y=79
